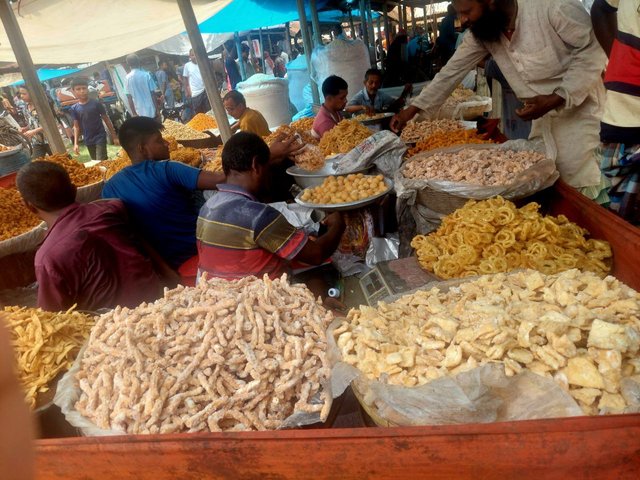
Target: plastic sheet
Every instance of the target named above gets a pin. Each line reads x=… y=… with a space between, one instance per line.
x=383 y=149
x=538 y=177
x=382 y=249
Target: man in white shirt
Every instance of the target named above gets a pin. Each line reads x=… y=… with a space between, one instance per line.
x=548 y=53
x=194 y=86
x=140 y=88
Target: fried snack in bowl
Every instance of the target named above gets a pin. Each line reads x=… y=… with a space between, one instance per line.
x=187 y=155
x=202 y=122
x=415 y=131
x=181 y=132
x=345 y=189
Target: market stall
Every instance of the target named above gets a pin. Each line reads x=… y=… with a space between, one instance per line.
x=511 y=352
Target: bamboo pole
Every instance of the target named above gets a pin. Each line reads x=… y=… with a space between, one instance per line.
x=206 y=69
x=243 y=70
x=315 y=21
x=30 y=76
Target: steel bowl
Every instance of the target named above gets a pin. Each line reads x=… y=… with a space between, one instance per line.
x=307 y=178
x=340 y=207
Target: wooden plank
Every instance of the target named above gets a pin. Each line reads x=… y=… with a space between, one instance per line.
x=593 y=447
x=602 y=224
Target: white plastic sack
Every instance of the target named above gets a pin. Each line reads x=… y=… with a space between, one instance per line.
x=269 y=96
x=347 y=59
x=298 y=76
x=384 y=149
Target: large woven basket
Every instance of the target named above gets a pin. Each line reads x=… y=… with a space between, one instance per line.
x=440 y=202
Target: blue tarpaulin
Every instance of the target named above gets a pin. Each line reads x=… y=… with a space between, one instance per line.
x=45 y=74
x=242 y=15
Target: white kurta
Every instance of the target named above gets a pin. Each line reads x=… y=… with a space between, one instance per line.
x=552 y=49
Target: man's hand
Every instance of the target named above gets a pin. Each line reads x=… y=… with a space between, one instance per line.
x=116 y=142
x=334 y=220
x=281 y=149
x=539 y=106
x=369 y=110
x=399 y=120
x=76 y=149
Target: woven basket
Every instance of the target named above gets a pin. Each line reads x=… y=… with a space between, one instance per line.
x=440 y=202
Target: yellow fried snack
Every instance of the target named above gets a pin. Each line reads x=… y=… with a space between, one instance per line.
x=344 y=137
x=303 y=124
x=45 y=344
x=188 y=155
x=181 y=132
x=492 y=236
x=202 y=121
x=344 y=189
x=121 y=161
x=15 y=217
x=575 y=328
x=80 y=175
x=212 y=159
x=442 y=139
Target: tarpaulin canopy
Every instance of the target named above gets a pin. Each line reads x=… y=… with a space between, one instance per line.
x=337 y=16
x=180 y=44
x=253 y=14
x=45 y=74
x=77 y=31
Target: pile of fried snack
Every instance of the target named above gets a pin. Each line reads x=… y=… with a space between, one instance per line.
x=225 y=355
x=575 y=328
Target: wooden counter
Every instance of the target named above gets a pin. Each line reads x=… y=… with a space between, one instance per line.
x=582 y=447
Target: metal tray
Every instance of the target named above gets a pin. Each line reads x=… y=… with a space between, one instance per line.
x=374 y=120
x=12 y=151
x=340 y=207
x=307 y=178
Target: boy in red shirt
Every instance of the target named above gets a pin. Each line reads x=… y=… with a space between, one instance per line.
x=90 y=256
x=335 y=91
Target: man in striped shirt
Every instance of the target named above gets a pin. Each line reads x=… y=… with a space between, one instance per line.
x=616 y=24
x=238 y=236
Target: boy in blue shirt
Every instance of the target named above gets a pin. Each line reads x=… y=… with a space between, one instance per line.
x=89 y=114
x=158 y=193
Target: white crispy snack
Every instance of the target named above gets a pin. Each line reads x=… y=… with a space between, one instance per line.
x=580 y=330
x=474 y=166
x=226 y=355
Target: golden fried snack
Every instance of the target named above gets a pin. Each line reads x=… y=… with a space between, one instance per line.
x=284 y=132
x=181 y=132
x=201 y=122
x=188 y=155
x=443 y=139
x=303 y=124
x=212 y=159
x=344 y=189
x=45 y=344
x=80 y=175
x=344 y=137
x=121 y=161
x=575 y=328
x=310 y=159
x=416 y=131
x=15 y=217
x=225 y=355
x=492 y=236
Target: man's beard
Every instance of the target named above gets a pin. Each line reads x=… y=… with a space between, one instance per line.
x=491 y=25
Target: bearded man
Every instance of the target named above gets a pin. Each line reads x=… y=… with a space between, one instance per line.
x=548 y=53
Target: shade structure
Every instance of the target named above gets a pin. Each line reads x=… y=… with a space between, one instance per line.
x=45 y=74
x=76 y=31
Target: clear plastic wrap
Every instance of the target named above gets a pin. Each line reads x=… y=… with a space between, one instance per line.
x=481 y=395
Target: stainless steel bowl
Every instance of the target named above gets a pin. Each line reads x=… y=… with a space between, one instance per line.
x=340 y=207
x=306 y=178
